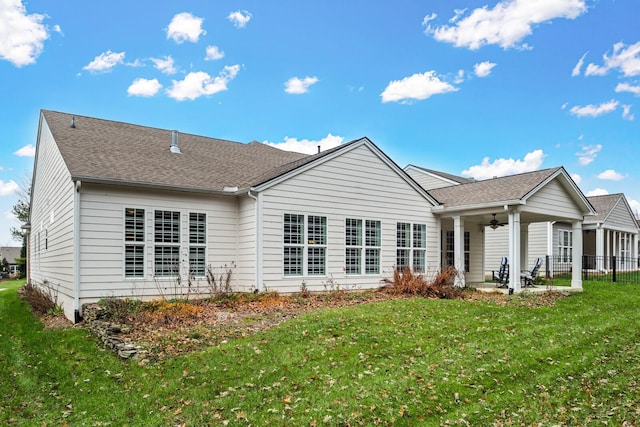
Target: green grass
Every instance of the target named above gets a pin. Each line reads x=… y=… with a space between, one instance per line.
x=404 y=362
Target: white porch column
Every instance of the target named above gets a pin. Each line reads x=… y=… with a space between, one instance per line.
x=514 y=251
x=524 y=245
x=458 y=251
x=550 y=245
x=607 y=263
x=599 y=248
x=576 y=273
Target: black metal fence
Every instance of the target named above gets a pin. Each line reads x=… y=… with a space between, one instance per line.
x=597 y=268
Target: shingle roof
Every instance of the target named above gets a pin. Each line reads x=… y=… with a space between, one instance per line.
x=450 y=177
x=107 y=150
x=10 y=253
x=603 y=205
x=513 y=187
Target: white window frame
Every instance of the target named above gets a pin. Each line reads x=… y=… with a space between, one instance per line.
x=161 y=243
x=419 y=245
x=308 y=245
x=138 y=243
x=198 y=245
x=403 y=245
x=449 y=249
x=565 y=246
x=364 y=247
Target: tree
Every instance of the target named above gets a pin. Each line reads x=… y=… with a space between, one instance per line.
x=21 y=210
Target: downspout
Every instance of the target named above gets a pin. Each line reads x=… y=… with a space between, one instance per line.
x=259 y=240
x=76 y=252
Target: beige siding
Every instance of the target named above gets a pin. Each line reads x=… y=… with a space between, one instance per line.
x=496 y=246
x=102 y=240
x=246 y=243
x=51 y=240
x=428 y=181
x=537 y=243
x=356 y=184
x=554 y=200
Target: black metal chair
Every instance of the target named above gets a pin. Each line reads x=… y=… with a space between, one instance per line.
x=527 y=277
x=502 y=276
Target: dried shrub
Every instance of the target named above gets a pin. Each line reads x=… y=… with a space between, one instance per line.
x=119 y=309
x=41 y=302
x=409 y=283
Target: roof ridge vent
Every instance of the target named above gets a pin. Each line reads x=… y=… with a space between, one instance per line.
x=175 y=148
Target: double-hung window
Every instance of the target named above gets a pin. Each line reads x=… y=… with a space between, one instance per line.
x=411 y=244
x=305 y=248
x=134 y=242
x=403 y=245
x=565 y=245
x=355 y=244
x=419 y=247
x=167 y=243
x=197 y=244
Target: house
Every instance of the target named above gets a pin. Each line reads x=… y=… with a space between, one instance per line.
x=123 y=210
x=12 y=255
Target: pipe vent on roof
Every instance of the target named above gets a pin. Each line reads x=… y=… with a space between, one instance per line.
x=175 y=148
x=73 y=121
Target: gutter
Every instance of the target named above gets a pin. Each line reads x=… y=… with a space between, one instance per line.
x=76 y=252
x=259 y=238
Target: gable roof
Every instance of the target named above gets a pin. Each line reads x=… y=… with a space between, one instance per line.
x=500 y=190
x=605 y=204
x=11 y=253
x=443 y=175
x=107 y=151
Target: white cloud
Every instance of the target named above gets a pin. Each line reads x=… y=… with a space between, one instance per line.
x=506 y=25
x=594 y=110
x=416 y=87
x=576 y=178
x=626 y=113
x=185 y=27
x=164 y=65
x=8 y=188
x=214 y=53
x=197 y=84
x=597 y=192
x=22 y=35
x=625 y=58
x=307 y=146
x=105 y=62
x=57 y=29
x=483 y=69
x=28 y=150
x=578 y=67
x=626 y=87
x=611 y=175
x=459 y=77
x=144 y=87
x=297 y=86
x=588 y=154
x=240 y=18
x=502 y=167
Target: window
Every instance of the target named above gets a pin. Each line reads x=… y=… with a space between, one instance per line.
x=449 y=250
x=167 y=240
x=197 y=244
x=134 y=242
x=354 y=246
x=565 y=245
x=297 y=247
x=419 y=247
x=403 y=242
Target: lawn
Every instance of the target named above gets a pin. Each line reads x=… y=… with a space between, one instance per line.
x=400 y=362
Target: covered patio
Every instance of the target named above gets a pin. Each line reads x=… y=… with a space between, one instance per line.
x=515 y=202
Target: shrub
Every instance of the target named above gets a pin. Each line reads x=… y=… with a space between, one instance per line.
x=406 y=282
x=119 y=309
x=41 y=302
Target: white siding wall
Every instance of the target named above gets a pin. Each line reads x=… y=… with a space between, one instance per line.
x=496 y=246
x=356 y=184
x=553 y=200
x=246 y=243
x=102 y=239
x=428 y=181
x=537 y=243
x=51 y=241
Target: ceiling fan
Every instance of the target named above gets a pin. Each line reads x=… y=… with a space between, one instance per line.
x=494 y=223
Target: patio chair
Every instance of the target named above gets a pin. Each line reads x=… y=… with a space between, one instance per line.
x=527 y=277
x=502 y=276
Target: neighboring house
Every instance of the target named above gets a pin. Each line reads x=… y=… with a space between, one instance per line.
x=11 y=254
x=121 y=210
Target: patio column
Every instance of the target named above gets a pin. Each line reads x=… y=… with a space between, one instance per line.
x=599 y=248
x=576 y=273
x=607 y=261
x=514 y=252
x=458 y=251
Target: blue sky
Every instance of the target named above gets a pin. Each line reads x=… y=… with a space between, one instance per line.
x=474 y=88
